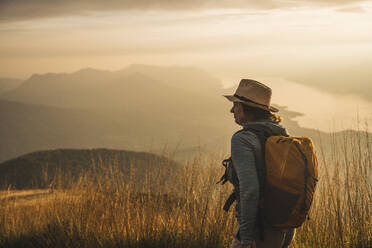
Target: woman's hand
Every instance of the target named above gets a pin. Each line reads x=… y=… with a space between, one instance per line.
x=253 y=245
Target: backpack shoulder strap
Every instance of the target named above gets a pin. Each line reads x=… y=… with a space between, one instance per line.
x=262 y=133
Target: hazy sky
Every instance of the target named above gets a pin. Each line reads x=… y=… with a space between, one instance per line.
x=322 y=43
x=263 y=37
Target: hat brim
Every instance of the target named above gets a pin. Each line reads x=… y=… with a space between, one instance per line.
x=252 y=104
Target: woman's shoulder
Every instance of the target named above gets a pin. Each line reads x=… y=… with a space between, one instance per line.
x=245 y=137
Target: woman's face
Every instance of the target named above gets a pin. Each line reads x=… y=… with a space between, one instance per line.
x=239 y=115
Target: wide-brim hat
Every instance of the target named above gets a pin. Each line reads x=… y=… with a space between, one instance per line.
x=254 y=94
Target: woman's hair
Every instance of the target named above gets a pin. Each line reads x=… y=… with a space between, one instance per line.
x=261 y=114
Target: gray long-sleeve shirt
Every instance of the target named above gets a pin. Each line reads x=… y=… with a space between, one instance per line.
x=247 y=187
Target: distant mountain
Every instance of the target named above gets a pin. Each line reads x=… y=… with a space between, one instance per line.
x=126 y=110
x=7 y=84
x=63 y=167
x=186 y=78
x=138 y=87
x=25 y=128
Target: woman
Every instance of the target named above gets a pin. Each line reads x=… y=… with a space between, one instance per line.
x=251 y=107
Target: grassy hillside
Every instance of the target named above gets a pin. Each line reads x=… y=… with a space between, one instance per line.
x=61 y=168
x=187 y=212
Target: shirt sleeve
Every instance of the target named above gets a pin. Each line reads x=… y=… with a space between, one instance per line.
x=244 y=163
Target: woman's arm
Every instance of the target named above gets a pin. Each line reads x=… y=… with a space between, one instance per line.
x=244 y=164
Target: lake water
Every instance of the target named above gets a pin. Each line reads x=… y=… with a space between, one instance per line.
x=322 y=110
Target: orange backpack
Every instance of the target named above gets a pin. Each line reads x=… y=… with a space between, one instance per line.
x=288 y=184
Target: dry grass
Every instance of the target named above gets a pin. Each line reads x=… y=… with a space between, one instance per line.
x=187 y=211
x=4 y=194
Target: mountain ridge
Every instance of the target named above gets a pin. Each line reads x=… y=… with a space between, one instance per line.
x=144 y=113
x=7 y=84
x=85 y=89
x=41 y=169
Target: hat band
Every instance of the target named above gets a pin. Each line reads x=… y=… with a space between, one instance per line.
x=248 y=100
